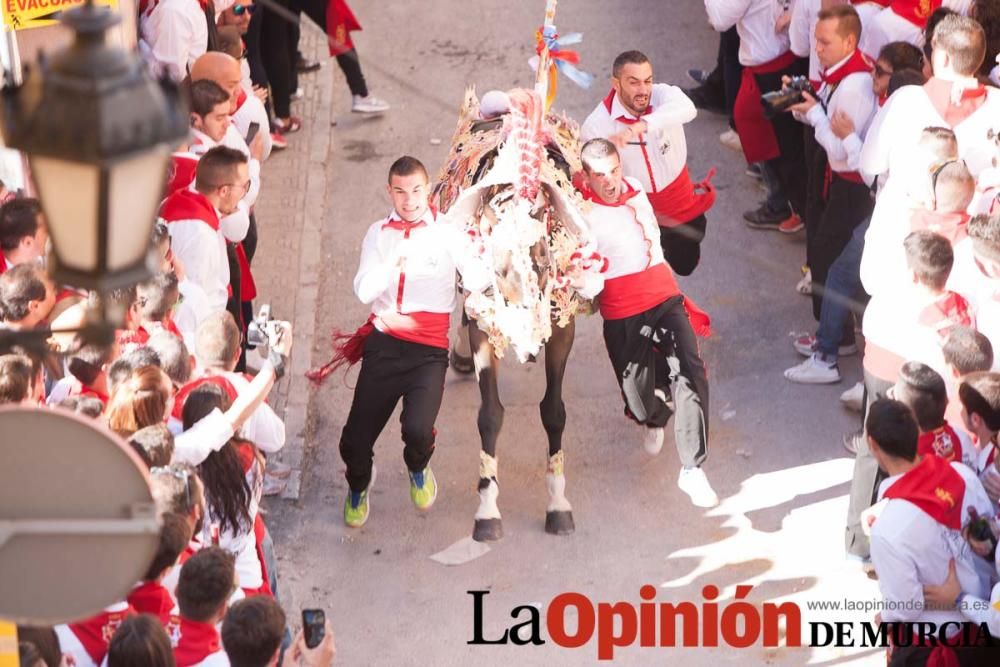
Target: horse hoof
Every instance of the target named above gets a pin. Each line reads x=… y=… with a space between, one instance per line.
x=559 y=523
x=488 y=530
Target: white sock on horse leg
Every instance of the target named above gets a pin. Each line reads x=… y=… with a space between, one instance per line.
x=555 y=482
x=488 y=495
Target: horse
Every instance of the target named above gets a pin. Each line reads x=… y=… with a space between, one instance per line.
x=507 y=182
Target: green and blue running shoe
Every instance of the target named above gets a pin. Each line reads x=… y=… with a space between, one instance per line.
x=356 y=508
x=423 y=488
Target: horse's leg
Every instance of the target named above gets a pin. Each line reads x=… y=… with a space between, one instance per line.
x=559 y=514
x=488 y=527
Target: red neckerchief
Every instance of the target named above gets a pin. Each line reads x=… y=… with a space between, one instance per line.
x=197 y=642
x=935 y=488
x=626 y=193
x=185 y=391
x=187 y=204
x=609 y=100
x=183 y=167
x=880 y=3
x=855 y=63
x=151 y=597
x=241 y=98
x=939 y=93
x=942 y=442
x=95 y=633
x=949 y=225
x=3 y=264
x=80 y=389
x=915 y=11
x=395 y=222
x=126 y=337
x=948 y=311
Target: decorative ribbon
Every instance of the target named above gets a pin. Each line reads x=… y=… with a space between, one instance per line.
x=561 y=59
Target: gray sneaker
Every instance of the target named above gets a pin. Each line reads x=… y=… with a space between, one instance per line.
x=370 y=104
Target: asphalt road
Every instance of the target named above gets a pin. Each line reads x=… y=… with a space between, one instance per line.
x=774 y=457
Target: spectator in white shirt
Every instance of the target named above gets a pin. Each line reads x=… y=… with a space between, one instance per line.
x=174 y=33
x=194 y=220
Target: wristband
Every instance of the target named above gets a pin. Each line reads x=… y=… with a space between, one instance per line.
x=278 y=363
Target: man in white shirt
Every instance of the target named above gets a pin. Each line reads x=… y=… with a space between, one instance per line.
x=193 y=217
x=174 y=33
x=645 y=121
x=647 y=320
x=846 y=86
x=917 y=531
x=407 y=273
x=777 y=143
x=206 y=581
x=217 y=351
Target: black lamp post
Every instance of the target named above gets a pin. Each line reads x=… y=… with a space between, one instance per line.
x=98 y=132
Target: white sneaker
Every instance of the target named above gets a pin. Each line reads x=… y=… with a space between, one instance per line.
x=730 y=139
x=813 y=371
x=370 y=104
x=693 y=482
x=853 y=398
x=298 y=94
x=807 y=346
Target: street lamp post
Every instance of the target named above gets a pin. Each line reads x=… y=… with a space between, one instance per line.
x=98 y=132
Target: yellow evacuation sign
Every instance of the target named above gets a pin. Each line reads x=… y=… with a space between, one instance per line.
x=8 y=642
x=23 y=14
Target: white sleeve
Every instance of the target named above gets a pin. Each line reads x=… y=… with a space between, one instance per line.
x=169 y=45
x=857 y=104
x=670 y=107
x=724 y=14
x=853 y=145
x=265 y=429
x=798 y=31
x=374 y=273
x=250 y=198
x=898 y=581
x=878 y=142
x=981 y=611
x=208 y=434
x=236 y=225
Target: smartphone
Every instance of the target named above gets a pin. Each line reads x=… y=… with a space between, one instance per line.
x=252 y=132
x=313 y=626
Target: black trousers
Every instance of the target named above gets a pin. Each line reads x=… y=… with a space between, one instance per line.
x=657 y=349
x=791 y=164
x=392 y=369
x=348 y=61
x=847 y=206
x=682 y=245
x=275 y=41
x=867 y=475
x=815 y=158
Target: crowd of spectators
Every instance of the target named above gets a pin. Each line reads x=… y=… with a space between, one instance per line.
x=887 y=160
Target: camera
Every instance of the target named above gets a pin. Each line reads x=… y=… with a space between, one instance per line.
x=263 y=330
x=779 y=101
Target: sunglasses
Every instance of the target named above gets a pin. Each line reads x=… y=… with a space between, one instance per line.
x=240 y=10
